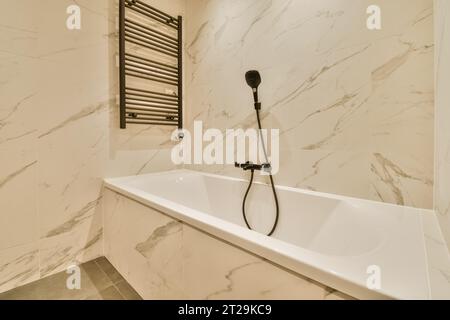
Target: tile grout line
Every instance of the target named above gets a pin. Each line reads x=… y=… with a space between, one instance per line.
x=112 y=282
x=120 y=292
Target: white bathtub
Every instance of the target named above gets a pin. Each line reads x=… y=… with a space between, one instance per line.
x=334 y=240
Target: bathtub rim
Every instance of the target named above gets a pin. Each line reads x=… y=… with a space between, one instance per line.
x=112 y=180
x=278 y=252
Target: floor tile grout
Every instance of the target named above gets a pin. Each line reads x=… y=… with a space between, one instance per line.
x=113 y=283
x=101 y=268
x=120 y=292
x=103 y=279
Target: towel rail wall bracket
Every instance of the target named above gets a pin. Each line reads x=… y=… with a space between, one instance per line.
x=141 y=106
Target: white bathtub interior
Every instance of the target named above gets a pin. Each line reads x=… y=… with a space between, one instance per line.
x=309 y=220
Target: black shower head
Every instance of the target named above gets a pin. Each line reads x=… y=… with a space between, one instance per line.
x=253 y=79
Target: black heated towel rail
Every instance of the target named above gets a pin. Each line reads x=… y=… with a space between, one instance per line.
x=137 y=21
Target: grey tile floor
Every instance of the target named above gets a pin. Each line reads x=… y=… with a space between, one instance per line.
x=99 y=281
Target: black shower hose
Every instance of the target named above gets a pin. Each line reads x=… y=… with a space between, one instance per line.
x=271 y=182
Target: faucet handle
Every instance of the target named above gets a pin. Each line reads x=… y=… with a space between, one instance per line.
x=267 y=168
x=242 y=165
x=250 y=166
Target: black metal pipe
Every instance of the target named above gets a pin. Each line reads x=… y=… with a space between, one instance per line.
x=163 y=14
x=150 y=107
x=150 y=45
x=160 y=99
x=151 y=15
x=140 y=76
x=129 y=29
x=151 y=38
x=138 y=65
x=180 y=72
x=149 y=103
x=149 y=119
x=160 y=65
x=164 y=17
x=136 y=8
x=154 y=106
x=129 y=68
x=149 y=78
x=122 y=74
x=165 y=95
x=128 y=97
x=163 y=99
x=152 y=111
x=146 y=29
x=135 y=74
x=151 y=48
x=165 y=115
x=153 y=123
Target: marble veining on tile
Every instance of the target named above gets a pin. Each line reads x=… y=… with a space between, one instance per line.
x=178 y=261
x=378 y=111
x=83 y=242
x=160 y=234
x=229 y=277
x=18 y=266
x=11 y=176
x=76 y=219
x=389 y=173
x=86 y=112
x=370 y=136
x=442 y=96
x=59 y=128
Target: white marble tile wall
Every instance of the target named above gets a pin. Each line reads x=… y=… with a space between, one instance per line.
x=442 y=62
x=438 y=259
x=370 y=135
x=59 y=134
x=354 y=107
x=166 y=259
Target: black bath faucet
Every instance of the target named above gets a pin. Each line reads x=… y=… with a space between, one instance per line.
x=253 y=167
